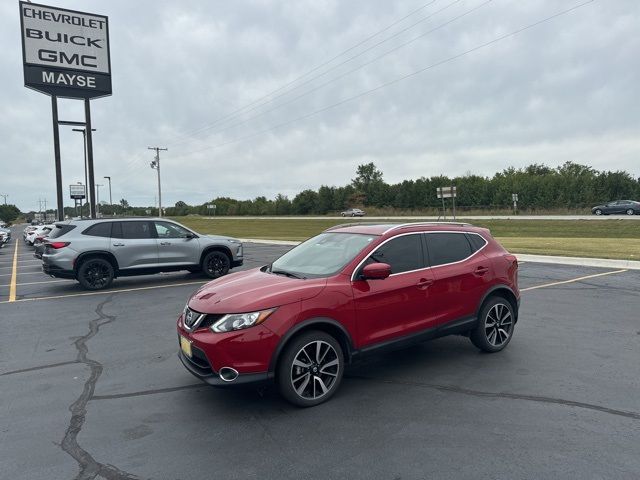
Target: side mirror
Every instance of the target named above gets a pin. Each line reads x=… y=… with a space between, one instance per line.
x=189 y=236
x=376 y=271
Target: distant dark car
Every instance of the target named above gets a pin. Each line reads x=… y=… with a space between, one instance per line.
x=628 y=207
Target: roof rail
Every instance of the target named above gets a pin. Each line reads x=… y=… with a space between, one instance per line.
x=417 y=224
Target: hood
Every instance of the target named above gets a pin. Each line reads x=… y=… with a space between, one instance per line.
x=253 y=290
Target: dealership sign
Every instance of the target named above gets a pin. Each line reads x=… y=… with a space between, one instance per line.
x=65 y=53
x=77 y=192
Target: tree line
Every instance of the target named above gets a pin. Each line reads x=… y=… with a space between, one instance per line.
x=571 y=186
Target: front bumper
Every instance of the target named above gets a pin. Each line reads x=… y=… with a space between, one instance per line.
x=211 y=377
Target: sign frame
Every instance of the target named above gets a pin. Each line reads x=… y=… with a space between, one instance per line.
x=77 y=196
x=31 y=70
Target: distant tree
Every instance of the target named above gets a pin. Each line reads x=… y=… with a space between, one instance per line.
x=124 y=203
x=305 y=202
x=8 y=213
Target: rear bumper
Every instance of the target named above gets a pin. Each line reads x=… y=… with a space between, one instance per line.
x=209 y=376
x=58 y=272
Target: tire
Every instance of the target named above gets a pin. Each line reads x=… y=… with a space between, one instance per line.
x=216 y=264
x=95 y=273
x=342 y=214
x=353 y=214
x=598 y=211
x=631 y=211
x=487 y=335
x=306 y=377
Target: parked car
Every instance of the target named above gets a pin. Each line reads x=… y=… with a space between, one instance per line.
x=353 y=212
x=4 y=238
x=344 y=294
x=94 y=252
x=629 y=207
x=6 y=232
x=38 y=231
x=39 y=243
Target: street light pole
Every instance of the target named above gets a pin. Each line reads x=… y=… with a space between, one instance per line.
x=4 y=195
x=156 y=166
x=110 y=198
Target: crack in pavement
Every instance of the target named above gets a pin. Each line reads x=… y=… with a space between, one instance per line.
x=89 y=467
x=39 y=367
x=512 y=396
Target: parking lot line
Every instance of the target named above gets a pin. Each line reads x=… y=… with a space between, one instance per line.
x=39 y=272
x=572 y=280
x=107 y=292
x=36 y=283
x=14 y=275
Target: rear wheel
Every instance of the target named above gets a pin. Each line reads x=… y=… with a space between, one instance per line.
x=598 y=211
x=216 y=264
x=495 y=325
x=310 y=369
x=631 y=211
x=95 y=274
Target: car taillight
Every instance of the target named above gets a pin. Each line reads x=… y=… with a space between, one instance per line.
x=57 y=245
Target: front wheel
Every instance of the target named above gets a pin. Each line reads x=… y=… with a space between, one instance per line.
x=495 y=325
x=311 y=368
x=95 y=274
x=631 y=211
x=215 y=264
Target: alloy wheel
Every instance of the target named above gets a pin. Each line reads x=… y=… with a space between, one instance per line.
x=97 y=275
x=498 y=324
x=216 y=266
x=314 y=370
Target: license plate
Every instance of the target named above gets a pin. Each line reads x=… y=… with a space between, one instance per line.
x=185 y=346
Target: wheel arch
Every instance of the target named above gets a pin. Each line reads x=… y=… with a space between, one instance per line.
x=503 y=291
x=216 y=248
x=110 y=257
x=324 y=324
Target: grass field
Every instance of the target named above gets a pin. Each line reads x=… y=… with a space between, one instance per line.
x=613 y=238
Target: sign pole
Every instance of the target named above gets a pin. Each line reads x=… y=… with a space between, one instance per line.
x=92 y=182
x=56 y=153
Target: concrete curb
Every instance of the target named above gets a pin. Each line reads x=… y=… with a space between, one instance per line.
x=577 y=261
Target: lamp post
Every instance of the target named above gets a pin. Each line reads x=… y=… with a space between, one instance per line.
x=86 y=181
x=110 y=198
x=98 y=185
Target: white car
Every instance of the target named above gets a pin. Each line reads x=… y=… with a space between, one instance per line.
x=41 y=230
x=352 y=212
x=4 y=238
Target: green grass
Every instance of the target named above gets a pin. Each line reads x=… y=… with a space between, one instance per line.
x=619 y=239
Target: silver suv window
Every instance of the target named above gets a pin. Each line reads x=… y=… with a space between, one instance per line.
x=132 y=230
x=170 y=230
x=102 y=229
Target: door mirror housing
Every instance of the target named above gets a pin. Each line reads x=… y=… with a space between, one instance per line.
x=376 y=271
x=189 y=236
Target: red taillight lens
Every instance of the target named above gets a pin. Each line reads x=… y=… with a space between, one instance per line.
x=57 y=245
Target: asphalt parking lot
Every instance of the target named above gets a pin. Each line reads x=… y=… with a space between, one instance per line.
x=90 y=387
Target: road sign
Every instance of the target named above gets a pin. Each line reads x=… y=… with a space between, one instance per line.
x=514 y=197
x=77 y=192
x=211 y=206
x=65 y=53
x=446 y=192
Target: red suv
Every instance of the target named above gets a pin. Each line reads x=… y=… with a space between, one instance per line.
x=348 y=292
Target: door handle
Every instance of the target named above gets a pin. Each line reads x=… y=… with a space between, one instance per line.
x=118 y=244
x=481 y=270
x=165 y=243
x=425 y=282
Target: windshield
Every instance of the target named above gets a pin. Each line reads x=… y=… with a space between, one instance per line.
x=323 y=255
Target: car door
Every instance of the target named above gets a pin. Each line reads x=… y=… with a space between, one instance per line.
x=461 y=274
x=176 y=245
x=386 y=309
x=133 y=243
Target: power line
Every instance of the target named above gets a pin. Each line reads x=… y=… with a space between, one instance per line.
x=396 y=80
x=328 y=82
x=316 y=68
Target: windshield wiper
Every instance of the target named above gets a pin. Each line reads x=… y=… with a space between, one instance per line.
x=287 y=274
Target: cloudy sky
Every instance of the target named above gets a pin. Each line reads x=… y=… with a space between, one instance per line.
x=260 y=97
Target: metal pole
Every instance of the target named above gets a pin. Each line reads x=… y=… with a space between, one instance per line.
x=86 y=175
x=454 y=206
x=110 y=198
x=156 y=164
x=92 y=183
x=98 y=185
x=5 y=197
x=56 y=153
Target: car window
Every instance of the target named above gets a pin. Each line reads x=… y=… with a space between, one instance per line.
x=476 y=241
x=102 y=229
x=170 y=230
x=61 y=230
x=447 y=248
x=402 y=253
x=132 y=230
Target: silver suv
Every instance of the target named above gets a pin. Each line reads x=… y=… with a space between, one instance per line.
x=94 y=252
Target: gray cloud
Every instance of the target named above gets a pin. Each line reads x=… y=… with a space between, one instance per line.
x=565 y=90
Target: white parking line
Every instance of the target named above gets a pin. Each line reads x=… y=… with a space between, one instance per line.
x=37 y=283
x=573 y=280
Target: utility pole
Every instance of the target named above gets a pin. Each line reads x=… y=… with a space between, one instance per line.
x=110 y=198
x=98 y=185
x=86 y=174
x=4 y=195
x=156 y=166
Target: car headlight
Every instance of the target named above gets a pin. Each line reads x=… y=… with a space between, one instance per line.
x=238 y=321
